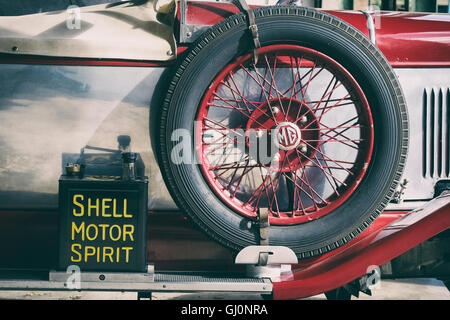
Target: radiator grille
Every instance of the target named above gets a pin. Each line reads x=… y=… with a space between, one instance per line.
x=436 y=139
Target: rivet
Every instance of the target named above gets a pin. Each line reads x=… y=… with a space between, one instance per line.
x=259 y=133
x=275 y=110
x=303 y=148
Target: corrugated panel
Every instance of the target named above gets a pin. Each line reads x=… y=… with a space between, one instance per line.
x=436 y=140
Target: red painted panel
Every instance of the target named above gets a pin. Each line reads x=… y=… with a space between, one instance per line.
x=382 y=221
x=211 y=13
x=414 y=39
x=406 y=39
x=355 y=18
x=373 y=248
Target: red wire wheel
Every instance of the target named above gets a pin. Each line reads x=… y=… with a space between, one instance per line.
x=292 y=134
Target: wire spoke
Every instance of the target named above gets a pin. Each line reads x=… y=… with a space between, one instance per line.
x=324 y=132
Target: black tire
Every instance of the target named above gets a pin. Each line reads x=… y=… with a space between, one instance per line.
x=340 y=41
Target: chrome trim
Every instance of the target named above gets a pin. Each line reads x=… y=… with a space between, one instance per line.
x=163 y=282
x=371 y=27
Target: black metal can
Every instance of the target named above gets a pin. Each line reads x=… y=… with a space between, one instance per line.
x=102 y=223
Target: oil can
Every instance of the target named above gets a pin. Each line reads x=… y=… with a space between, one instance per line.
x=102 y=223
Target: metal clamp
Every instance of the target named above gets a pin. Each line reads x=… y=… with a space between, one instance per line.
x=279 y=261
x=277 y=255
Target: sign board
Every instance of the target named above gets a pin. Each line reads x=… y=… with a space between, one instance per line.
x=103 y=224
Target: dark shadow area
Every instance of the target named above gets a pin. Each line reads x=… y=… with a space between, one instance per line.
x=53 y=78
x=29 y=241
x=28 y=199
x=155 y=110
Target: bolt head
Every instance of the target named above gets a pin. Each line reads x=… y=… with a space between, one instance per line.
x=303 y=148
x=303 y=119
x=259 y=133
x=275 y=110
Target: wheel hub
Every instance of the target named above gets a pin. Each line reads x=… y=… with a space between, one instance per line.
x=290 y=129
x=287 y=136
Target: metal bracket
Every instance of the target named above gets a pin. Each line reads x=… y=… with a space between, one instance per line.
x=277 y=255
x=184 y=33
x=189 y=33
x=399 y=192
x=278 y=261
x=371 y=27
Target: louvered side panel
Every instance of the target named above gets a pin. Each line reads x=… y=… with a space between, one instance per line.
x=435 y=142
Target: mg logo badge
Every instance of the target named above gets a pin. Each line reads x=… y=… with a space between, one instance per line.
x=287 y=136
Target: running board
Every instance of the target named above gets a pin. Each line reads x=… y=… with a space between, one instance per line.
x=138 y=282
x=257 y=280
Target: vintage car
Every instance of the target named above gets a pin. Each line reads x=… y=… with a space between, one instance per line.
x=279 y=125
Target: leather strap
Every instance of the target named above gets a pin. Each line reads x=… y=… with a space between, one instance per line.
x=243 y=7
x=263 y=224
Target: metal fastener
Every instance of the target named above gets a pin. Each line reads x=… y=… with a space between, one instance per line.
x=275 y=110
x=303 y=148
x=259 y=133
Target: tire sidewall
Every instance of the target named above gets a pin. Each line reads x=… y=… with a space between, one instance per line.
x=217 y=49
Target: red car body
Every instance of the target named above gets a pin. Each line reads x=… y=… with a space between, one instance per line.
x=28 y=238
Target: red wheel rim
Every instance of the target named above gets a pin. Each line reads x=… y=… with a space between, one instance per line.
x=292 y=135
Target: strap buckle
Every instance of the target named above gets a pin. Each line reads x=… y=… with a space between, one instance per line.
x=243 y=7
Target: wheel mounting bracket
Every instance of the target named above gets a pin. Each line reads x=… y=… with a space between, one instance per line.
x=264 y=228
